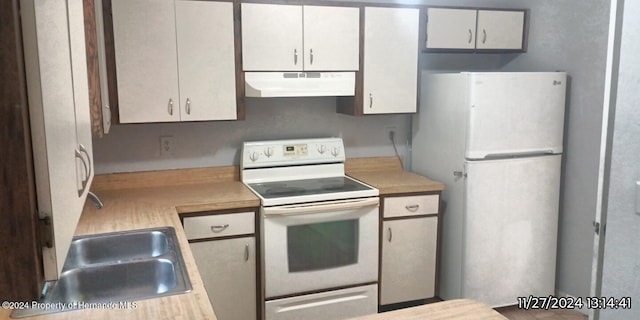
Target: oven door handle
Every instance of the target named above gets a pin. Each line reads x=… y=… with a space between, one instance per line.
x=306 y=208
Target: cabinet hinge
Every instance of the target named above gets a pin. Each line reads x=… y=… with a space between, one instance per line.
x=46 y=232
x=598 y=228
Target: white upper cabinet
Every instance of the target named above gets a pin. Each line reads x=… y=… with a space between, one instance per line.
x=451 y=28
x=271 y=37
x=174 y=60
x=57 y=83
x=471 y=29
x=331 y=38
x=390 y=69
x=206 y=60
x=145 y=48
x=298 y=38
x=500 y=29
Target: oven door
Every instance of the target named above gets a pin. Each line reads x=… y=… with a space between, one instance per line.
x=315 y=246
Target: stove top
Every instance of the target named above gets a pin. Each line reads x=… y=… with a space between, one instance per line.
x=311 y=170
x=307 y=190
x=307 y=187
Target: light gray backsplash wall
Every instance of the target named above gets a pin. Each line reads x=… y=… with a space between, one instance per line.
x=571 y=36
x=136 y=147
x=620 y=276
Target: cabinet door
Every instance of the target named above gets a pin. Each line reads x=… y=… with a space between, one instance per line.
x=81 y=96
x=408 y=266
x=390 y=60
x=271 y=37
x=500 y=29
x=206 y=62
x=331 y=38
x=228 y=270
x=451 y=28
x=53 y=52
x=146 y=60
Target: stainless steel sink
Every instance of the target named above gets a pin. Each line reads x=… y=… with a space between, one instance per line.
x=115 y=247
x=114 y=268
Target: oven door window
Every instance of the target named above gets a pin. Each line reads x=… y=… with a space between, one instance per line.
x=323 y=245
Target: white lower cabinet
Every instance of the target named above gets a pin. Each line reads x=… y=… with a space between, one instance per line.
x=408 y=264
x=228 y=270
x=225 y=250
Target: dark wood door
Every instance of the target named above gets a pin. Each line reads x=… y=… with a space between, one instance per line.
x=21 y=275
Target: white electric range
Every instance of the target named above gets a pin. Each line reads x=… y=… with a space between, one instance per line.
x=319 y=230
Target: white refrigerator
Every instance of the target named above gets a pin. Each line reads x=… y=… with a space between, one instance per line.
x=495 y=140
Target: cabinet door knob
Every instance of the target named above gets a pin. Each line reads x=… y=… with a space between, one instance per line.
x=219 y=228
x=470 y=36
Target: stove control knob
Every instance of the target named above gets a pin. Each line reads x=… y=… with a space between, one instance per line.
x=253 y=156
x=268 y=152
x=322 y=149
x=335 y=151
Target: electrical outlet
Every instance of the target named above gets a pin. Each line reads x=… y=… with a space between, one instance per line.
x=167 y=144
x=390 y=132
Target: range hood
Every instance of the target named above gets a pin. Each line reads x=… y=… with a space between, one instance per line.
x=299 y=84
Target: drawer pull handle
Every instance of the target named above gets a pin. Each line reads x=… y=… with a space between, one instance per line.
x=219 y=228
x=246 y=252
x=390 y=235
x=413 y=207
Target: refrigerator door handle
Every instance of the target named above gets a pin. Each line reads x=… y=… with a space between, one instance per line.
x=521 y=154
x=459 y=174
x=638 y=197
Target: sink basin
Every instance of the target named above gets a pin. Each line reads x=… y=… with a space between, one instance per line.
x=126 y=281
x=114 y=268
x=116 y=247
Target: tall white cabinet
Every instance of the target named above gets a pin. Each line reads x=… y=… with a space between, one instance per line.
x=55 y=62
x=299 y=38
x=390 y=72
x=175 y=60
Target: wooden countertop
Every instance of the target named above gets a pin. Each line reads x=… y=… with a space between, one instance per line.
x=387 y=175
x=460 y=309
x=154 y=199
x=149 y=204
x=121 y=214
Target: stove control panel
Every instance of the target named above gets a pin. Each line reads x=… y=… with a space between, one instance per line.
x=295 y=150
x=257 y=154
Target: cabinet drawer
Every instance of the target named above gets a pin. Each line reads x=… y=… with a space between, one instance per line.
x=411 y=205
x=219 y=225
